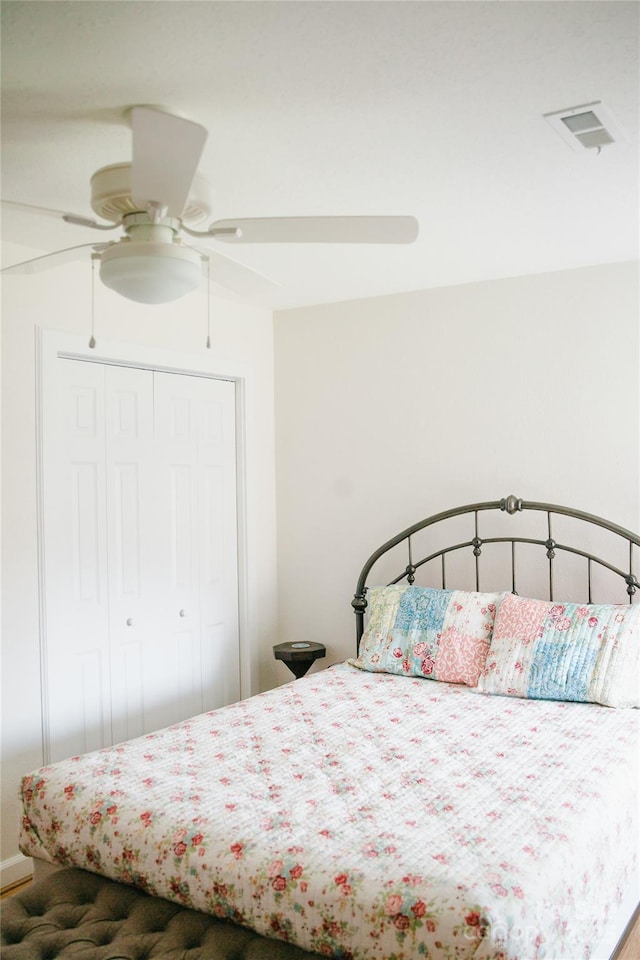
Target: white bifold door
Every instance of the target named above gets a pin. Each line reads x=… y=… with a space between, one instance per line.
x=140 y=553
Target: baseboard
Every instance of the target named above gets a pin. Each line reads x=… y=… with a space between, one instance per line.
x=15 y=869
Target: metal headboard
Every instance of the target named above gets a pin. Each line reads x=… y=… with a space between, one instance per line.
x=510 y=505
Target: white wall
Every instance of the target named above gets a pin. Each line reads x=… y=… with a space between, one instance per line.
x=391 y=409
x=242 y=336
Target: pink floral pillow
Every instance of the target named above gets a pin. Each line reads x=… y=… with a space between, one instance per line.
x=565 y=651
x=423 y=632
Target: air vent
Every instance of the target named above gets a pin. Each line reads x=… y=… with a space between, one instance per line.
x=589 y=127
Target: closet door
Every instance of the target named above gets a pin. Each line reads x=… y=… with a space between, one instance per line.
x=141 y=599
x=133 y=562
x=76 y=672
x=196 y=485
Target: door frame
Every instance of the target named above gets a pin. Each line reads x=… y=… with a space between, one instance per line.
x=52 y=345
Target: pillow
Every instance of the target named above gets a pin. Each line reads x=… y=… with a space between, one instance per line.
x=565 y=651
x=422 y=632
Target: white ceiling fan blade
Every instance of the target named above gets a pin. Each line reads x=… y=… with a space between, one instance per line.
x=55 y=259
x=318 y=230
x=235 y=276
x=166 y=154
x=29 y=208
x=12 y=206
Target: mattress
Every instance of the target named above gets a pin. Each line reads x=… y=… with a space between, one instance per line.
x=366 y=816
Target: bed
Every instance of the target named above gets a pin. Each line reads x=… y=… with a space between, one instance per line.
x=465 y=787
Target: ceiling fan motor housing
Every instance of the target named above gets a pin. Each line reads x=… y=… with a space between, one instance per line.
x=111 y=196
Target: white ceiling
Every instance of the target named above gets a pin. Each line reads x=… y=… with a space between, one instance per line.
x=425 y=108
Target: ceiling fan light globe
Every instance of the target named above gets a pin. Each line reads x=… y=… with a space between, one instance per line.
x=150 y=273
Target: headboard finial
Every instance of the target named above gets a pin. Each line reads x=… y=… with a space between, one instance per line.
x=511 y=504
x=359 y=603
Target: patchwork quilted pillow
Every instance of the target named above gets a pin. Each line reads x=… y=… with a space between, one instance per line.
x=423 y=632
x=565 y=651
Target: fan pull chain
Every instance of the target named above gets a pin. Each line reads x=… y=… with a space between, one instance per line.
x=92 y=341
x=208 y=305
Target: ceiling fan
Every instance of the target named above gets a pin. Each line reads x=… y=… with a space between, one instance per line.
x=159 y=198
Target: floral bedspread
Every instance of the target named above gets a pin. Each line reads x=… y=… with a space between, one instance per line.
x=366 y=816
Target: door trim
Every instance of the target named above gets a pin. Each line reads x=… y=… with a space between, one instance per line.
x=52 y=345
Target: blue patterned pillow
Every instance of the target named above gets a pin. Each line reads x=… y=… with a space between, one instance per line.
x=565 y=651
x=423 y=632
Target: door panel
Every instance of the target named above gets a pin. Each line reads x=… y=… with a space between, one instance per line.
x=76 y=635
x=85 y=534
x=195 y=434
x=131 y=546
x=127 y=663
x=180 y=515
x=126 y=495
x=218 y=546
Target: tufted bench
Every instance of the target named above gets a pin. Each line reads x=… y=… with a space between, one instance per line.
x=75 y=915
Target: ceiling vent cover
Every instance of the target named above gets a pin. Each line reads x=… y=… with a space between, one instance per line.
x=588 y=127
